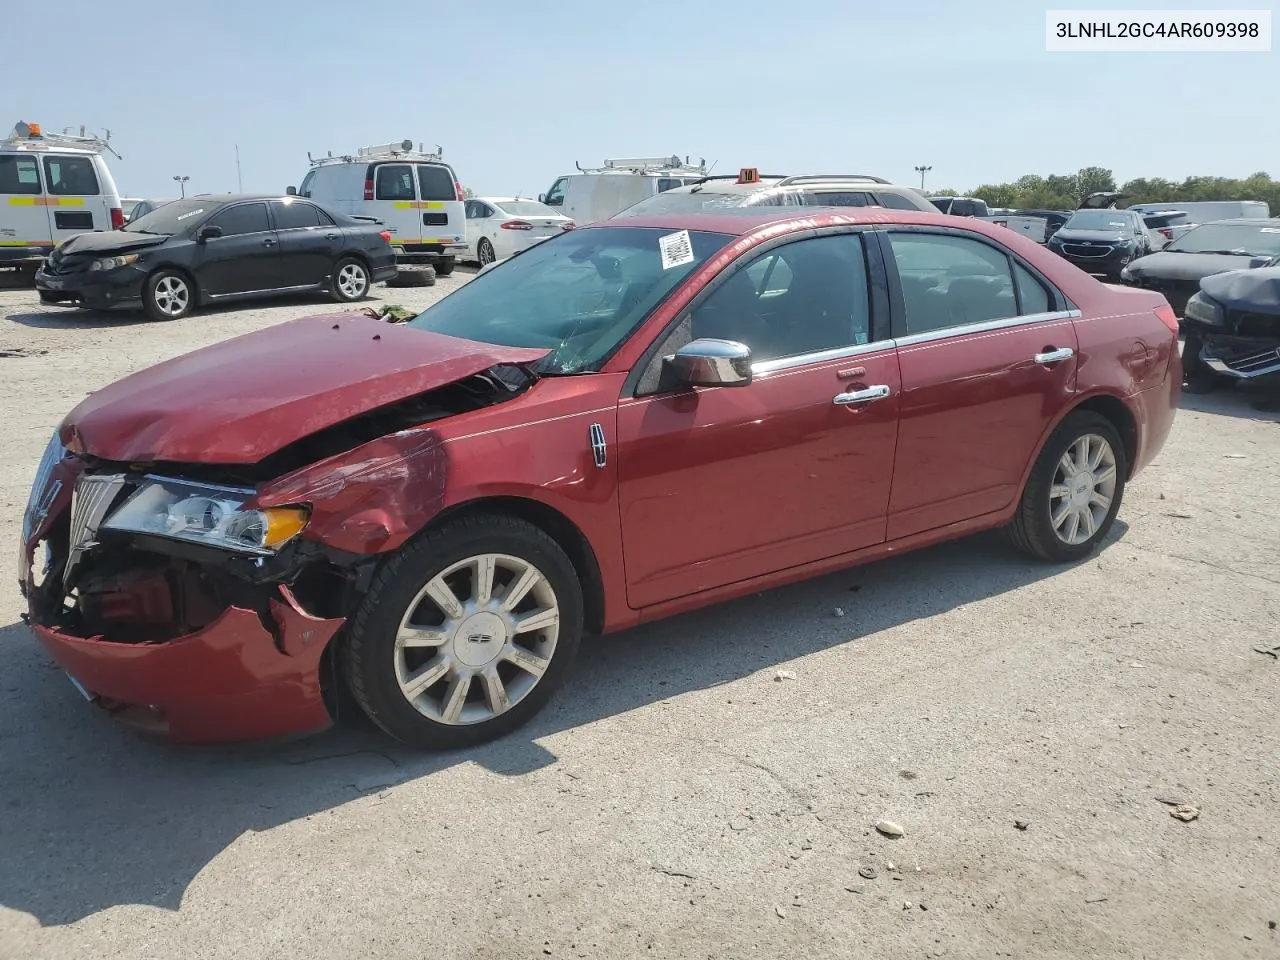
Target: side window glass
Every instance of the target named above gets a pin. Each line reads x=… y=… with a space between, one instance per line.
x=555 y=196
x=394 y=181
x=71 y=176
x=667 y=183
x=804 y=297
x=242 y=218
x=951 y=281
x=839 y=198
x=305 y=189
x=469 y=209
x=1031 y=292
x=292 y=215
x=436 y=182
x=19 y=175
x=895 y=201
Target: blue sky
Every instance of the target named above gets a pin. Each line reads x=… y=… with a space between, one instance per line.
x=517 y=91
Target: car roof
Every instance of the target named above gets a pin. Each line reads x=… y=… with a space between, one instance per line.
x=508 y=199
x=738 y=221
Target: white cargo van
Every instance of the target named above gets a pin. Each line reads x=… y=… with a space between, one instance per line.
x=52 y=187
x=600 y=192
x=414 y=193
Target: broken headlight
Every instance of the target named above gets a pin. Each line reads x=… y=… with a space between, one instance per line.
x=1204 y=310
x=111 y=263
x=206 y=514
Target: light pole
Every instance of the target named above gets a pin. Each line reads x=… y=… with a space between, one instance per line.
x=182 y=185
x=922 y=170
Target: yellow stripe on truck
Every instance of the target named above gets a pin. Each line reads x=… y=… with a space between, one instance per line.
x=26 y=243
x=419 y=205
x=46 y=201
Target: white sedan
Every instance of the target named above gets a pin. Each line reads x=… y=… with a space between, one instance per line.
x=498 y=227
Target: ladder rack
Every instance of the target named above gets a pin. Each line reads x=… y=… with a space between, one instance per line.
x=400 y=150
x=31 y=136
x=653 y=165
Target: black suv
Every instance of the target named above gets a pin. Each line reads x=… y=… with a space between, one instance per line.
x=1103 y=241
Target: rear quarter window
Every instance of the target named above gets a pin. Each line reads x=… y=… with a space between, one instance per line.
x=19 y=175
x=71 y=176
x=895 y=201
x=436 y=182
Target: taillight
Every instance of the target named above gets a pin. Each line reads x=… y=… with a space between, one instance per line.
x=117 y=218
x=368 y=189
x=517 y=225
x=386 y=235
x=457 y=189
x=569 y=226
x=1167 y=316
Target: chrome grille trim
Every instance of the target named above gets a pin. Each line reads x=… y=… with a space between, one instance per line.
x=90 y=502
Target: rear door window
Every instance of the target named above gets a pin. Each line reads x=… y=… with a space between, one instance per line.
x=19 y=175
x=895 y=201
x=294 y=216
x=952 y=281
x=393 y=181
x=71 y=176
x=839 y=198
x=436 y=182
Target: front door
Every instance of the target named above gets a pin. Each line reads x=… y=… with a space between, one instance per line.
x=988 y=360
x=719 y=485
x=246 y=258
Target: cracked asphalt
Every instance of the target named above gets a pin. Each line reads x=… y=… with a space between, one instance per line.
x=680 y=799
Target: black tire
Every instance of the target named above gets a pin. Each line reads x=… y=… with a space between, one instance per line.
x=485 y=254
x=369 y=658
x=1032 y=529
x=168 y=295
x=350 y=280
x=444 y=266
x=413 y=275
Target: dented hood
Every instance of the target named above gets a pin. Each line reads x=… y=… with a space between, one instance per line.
x=241 y=400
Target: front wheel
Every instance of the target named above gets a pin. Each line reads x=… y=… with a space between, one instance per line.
x=350 y=280
x=1074 y=491
x=168 y=295
x=466 y=633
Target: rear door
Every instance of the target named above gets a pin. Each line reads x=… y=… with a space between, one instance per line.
x=75 y=200
x=25 y=223
x=987 y=351
x=442 y=217
x=309 y=242
x=395 y=201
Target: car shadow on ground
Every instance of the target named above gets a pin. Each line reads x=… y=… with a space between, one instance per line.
x=66 y=318
x=93 y=816
x=1253 y=402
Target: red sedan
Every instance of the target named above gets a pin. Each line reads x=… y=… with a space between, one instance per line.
x=625 y=422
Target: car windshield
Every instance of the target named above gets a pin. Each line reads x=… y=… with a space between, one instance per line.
x=525 y=208
x=703 y=201
x=1242 y=239
x=1097 y=220
x=172 y=218
x=580 y=294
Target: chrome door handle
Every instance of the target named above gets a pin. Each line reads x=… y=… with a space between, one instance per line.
x=870 y=394
x=1055 y=356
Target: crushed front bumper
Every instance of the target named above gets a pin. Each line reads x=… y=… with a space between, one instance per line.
x=1241 y=358
x=227 y=682
x=94 y=290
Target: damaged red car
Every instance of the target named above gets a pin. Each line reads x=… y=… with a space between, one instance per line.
x=622 y=423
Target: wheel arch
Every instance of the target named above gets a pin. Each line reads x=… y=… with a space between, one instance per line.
x=555 y=525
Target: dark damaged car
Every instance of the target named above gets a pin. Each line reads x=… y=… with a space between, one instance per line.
x=627 y=421
x=203 y=250
x=1232 y=329
x=1176 y=271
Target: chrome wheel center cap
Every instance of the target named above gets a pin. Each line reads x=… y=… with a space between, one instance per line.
x=1081 y=486
x=479 y=639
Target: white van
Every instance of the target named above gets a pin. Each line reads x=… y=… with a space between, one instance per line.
x=52 y=187
x=416 y=194
x=599 y=193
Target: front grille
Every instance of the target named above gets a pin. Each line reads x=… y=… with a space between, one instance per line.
x=93 y=497
x=1079 y=250
x=435 y=219
x=1255 y=361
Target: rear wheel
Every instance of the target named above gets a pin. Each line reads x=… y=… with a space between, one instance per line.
x=484 y=252
x=466 y=633
x=350 y=280
x=168 y=295
x=444 y=266
x=1074 y=491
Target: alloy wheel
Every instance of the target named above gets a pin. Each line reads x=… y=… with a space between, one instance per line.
x=1083 y=488
x=477 y=639
x=172 y=296
x=352 y=281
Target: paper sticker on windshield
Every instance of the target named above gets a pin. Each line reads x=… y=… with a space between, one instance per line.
x=193 y=213
x=677 y=249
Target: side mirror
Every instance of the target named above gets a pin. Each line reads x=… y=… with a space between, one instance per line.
x=542 y=198
x=711 y=363
x=291 y=191
x=212 y=231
